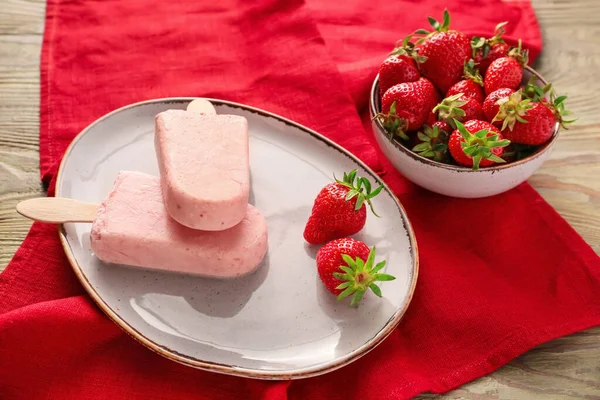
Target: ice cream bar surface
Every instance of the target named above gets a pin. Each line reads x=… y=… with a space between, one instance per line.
x=133 y=227
x=204 y=167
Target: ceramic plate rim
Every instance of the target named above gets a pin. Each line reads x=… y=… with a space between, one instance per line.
x=223 y=368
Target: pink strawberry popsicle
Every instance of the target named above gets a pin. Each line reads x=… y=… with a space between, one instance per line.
x=133 y=227
x=204 y=168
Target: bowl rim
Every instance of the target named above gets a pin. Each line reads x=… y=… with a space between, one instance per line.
x=374 y=105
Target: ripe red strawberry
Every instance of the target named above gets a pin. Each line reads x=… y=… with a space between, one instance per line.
x=406 y=106
x=468 y=88
x=471 y=86
x=433 y=143
x=400 y=66
x=477 y=144
x=537 y=127
x=531 y=122
x=395 y=70
x=496 y=51
x=347 y=267
x=431 y=119
x=442 y=126
x=446 y=52
x=339 y=209
x=458 y=107
x=491 y=106
x=485 y=51
x=506 y=72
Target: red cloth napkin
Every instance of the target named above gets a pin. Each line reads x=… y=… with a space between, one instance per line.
x=498 y=276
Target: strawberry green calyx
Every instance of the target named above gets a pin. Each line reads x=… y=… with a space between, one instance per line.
x=519 y=54
x=407 y=48
x=437 y=26
x=499 y=31
x=535 y=92
x=392 y=123
x=484 y=45
x=557 y=104
x=450 y=109
x=472 y=73
x=434 y=143
x=360 y=188
x=359 y=276
x=512 y=109
x=479 y=145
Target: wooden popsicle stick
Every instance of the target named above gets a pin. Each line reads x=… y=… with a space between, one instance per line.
x=201 y=106
x=56 y=210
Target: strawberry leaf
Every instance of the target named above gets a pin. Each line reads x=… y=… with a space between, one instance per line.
x=384 y=277
x=476 y=162
x=366 y=184
x=434 y=23
x=446 y=23
x=495 y=158
x=351 y=194
x=344 y=285
x=358 y=295
x=349 y=290
x=349 y=260
x=440 y=147
x=371 y=257
x=359 y=203
x=340 y=276
x=422 y=147
x=470 y=150
x=360 y=264
x=499 y=143
x=500 y=28
x=423 y=137
x=375 y=192
x=477 y=42
x=376 y=289
x=346 y=269
x=352 y=175
x=482 y=133
x=378 y=267
x=462 y=130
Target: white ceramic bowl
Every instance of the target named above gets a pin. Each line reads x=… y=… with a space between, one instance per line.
x=452 y=180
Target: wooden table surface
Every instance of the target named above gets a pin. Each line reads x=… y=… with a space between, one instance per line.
x=567 y=368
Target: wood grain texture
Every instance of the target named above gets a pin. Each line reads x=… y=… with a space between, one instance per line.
x=21 y=26
x=565 y=368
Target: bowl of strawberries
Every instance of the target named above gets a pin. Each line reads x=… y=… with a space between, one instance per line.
x=464 y=117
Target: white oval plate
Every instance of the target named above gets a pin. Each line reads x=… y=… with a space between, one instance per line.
x=277 y=323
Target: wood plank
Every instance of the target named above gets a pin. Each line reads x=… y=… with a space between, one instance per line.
x=21 y=25
x=22 y=17
x=19 y=121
